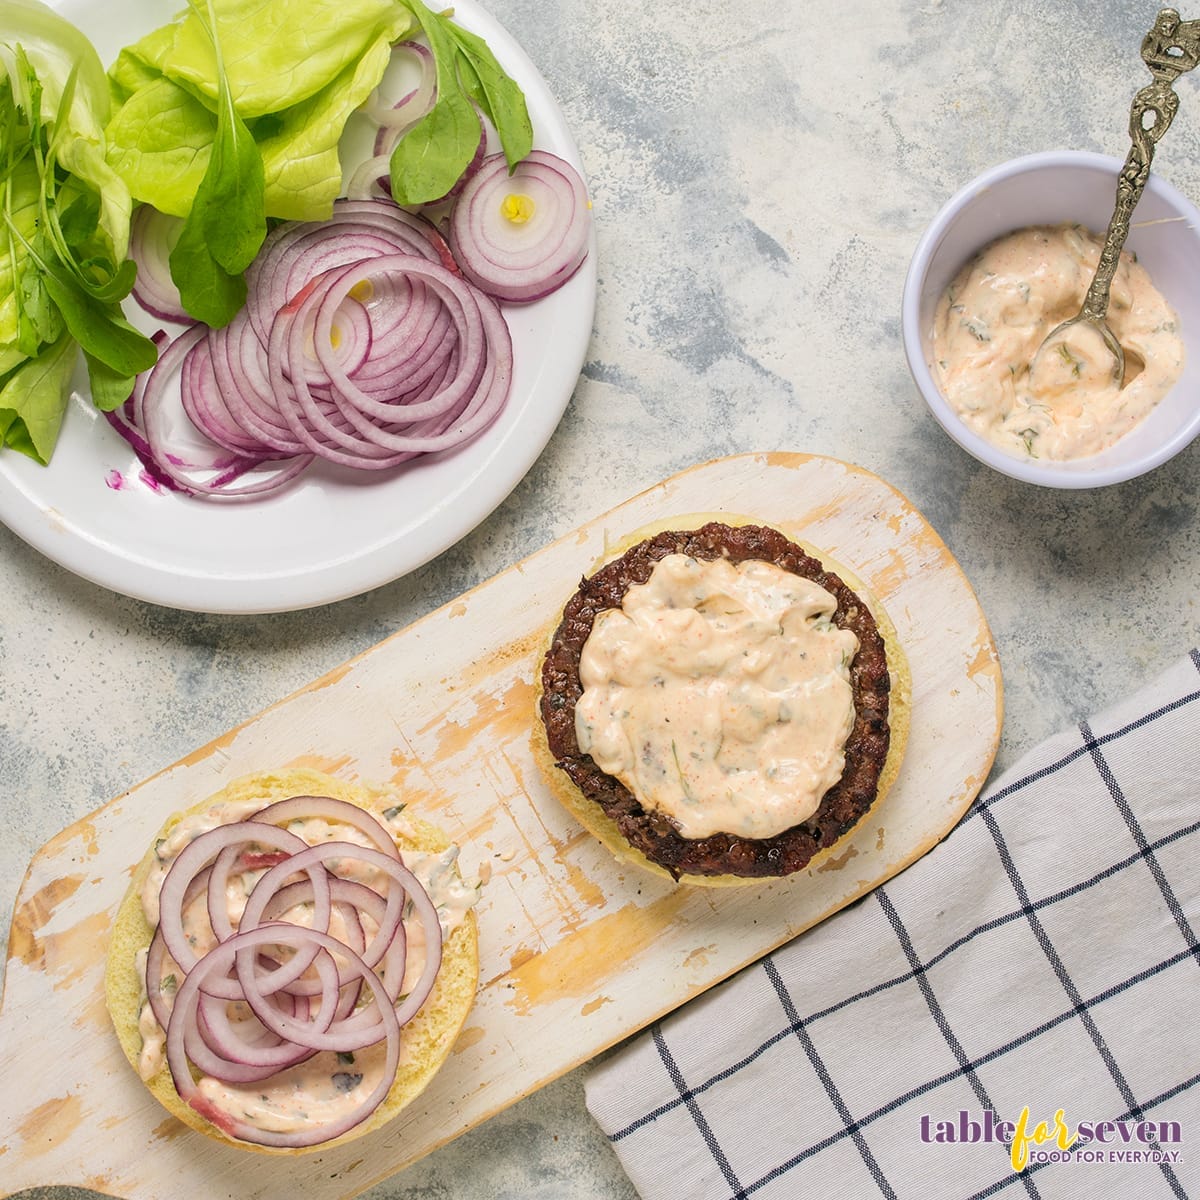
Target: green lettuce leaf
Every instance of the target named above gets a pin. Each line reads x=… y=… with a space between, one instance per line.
x=86 y=160
x=140 y=64
x=161 y=138
x=64 y=229
x=34 y=399
x=159 y=142
x=23 y=202
x=296 y=69
x=55 y=49
x=280 y=52
x=300 y=160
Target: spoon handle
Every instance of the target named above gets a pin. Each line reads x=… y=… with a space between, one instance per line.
x=1171 y=48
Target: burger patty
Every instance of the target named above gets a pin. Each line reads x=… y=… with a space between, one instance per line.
x=654 y=834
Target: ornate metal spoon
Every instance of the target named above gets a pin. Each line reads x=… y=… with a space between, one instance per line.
x=1171 y=48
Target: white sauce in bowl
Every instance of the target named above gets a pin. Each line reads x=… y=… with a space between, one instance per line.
x=997 y=312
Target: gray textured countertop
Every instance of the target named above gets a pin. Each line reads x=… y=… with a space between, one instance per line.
x=761 y=173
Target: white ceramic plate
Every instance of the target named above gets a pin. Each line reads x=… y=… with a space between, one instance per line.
x=331 y=534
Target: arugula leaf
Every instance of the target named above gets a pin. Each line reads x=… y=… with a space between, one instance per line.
x=499 y=96
x=209 y=292
x=80 y=219
x=64 y=221
x=231 y=193
x=34 y=399
x=99 y=328
x=430 y=158
x=110 y=389
x=38 y=321
x=227 y=222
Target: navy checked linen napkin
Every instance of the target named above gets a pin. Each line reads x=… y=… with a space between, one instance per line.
x=1027 y=994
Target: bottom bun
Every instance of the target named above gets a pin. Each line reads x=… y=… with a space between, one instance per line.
x=601 y=825
x=426 y=1040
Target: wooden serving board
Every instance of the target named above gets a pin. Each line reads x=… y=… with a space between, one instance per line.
x=576 y=951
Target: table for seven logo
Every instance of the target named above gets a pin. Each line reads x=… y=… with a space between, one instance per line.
x=1081 y=1144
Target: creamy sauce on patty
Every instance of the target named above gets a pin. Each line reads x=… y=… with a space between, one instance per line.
x=720 y=695
x=328 y=1084
x=993 y=318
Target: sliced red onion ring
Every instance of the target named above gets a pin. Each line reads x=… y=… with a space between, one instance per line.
x=295 y=253
x=520 y=235
x=247 y=1051
x=217 y=477
x=303 y=986
x=350 y=900
x=413 y=105
x=332 y=810
x=409 y=887
x=472 y=399
x=201 y=852
x=256 y=833
x=368 y=178
x=185 y=1015
x=360 y=343
x=152 y=237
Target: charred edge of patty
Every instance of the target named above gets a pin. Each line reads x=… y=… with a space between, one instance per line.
x=653 y=834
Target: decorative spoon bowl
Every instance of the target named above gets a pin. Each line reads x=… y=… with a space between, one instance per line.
x=1049 y=189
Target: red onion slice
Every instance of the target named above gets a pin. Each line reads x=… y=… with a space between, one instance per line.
x=333 y=811
x=239 y=363
x=217 y=477
x=361 y=343
x=367 y=180
x=247 y=1051
x=201 y=852
x=308 y=990
x=402 y=114
x=184 y=1017
x=155 y=963
x=307 y=860
x=520 y=235
x=350 y=901
x=366 y=436
x=152 y=237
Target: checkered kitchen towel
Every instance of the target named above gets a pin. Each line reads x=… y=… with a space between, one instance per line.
x=1027 y=994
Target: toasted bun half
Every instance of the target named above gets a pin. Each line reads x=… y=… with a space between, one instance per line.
x=426 y=1040
x=593 y=815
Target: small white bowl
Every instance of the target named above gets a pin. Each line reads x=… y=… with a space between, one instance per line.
x=1048 y=189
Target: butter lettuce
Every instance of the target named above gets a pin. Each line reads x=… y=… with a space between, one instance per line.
x=22 y=211
x=233 y=113
x=139 y=64
x=161 y=137
x=296 y=70
x=300 y=160
x=159 y=143
x=280 y=52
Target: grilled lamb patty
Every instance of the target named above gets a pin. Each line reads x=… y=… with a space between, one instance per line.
x=654 y=834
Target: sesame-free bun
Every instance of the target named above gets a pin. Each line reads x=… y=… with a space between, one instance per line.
x=592 y=815
x=426 y=1040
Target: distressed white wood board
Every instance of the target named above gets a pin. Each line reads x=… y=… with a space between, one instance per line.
x=577 y=952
